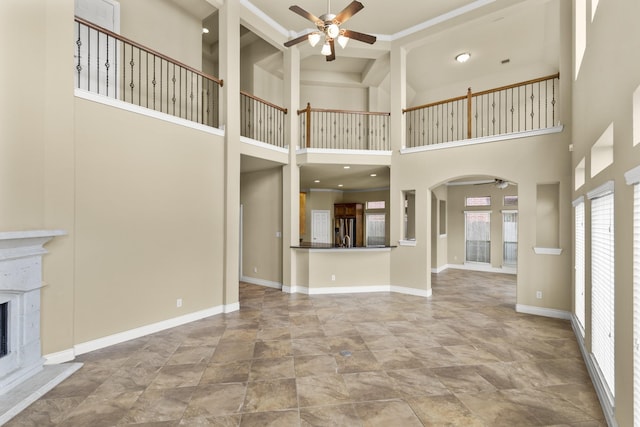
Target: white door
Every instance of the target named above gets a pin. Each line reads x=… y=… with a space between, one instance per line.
x=320 y=226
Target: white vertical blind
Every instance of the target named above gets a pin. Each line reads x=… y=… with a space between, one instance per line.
x=636 y=305
x=602 y=288
x=580 y=263
x=478 y=236
x=510 y=238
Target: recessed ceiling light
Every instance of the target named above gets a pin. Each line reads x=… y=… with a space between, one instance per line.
x=463 y=57
x=374 y=174
x=347 y=167
x=340 y=185
x=205 y=31
x=316 y=181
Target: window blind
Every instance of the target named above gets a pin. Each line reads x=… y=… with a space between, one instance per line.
x=636 y=305
x=579 y=264
x=602 y=288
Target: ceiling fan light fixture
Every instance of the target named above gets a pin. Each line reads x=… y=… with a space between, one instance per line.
x=463 y=57
x=332 y=31
x=314 y=38
x=326 y=49
x=342 y=41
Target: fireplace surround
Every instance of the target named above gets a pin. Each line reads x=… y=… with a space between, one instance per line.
x=23 y=377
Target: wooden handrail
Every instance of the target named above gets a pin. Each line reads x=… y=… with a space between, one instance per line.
x=277 y=107
x=484 y=92
x=142 y=47
x=327 y=110
x=515 y=85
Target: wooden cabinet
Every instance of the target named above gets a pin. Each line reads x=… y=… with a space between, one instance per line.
x=348 y=224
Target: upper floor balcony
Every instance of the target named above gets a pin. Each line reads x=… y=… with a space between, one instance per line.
x=111 y=65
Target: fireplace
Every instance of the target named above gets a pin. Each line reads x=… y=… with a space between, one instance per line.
x=4 y=329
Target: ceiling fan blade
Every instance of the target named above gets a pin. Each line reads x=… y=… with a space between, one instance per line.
x=310 y=16
x=366 y=38
x=353 y=8
x=297 y=40
x=333 y=51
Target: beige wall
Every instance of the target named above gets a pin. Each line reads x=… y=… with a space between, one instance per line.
x=165 y=27
x=261 y=200
x=602 y=95
x=149 y=220
x=456 y=223
x=439 y=243
x=350 y=267
x=526 y=162
x=334 y=97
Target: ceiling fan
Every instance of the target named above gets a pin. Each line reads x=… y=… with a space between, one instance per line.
x=497 y=182
x=329 y=26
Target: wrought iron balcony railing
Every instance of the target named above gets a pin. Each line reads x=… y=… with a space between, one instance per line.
x=108 y=64
x=262 y=120
x=519 y=107
x=343 y=129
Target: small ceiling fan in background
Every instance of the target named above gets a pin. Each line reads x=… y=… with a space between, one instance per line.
x=329 y=26
x=497 y=182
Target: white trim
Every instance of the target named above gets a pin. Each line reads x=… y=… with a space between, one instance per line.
x=344 y=152
x=601 y=391
x=261 y=282
x=230 y=308
x=260 y=144
x=440 y=269
x=407 y=242
x=508 y=211
x=543 y=311
x=266 y=18
x=602 y=190
x=101 y=99
x=632 y=176
x=59 y=357
x=120 y=337
x=478 y=211
x=426 y=293
x=483 y=140
x=547 y=251
x=487 y=268
x=578 y=201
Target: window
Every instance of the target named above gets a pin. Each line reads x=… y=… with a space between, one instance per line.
x=510 y=201
x=375 y=229
x=477 y=236
x=478 y=201
x=602 y=152
x=633 y=178
x=510 y=238
x=602 y=284
x=579 y=300
x=376 y=205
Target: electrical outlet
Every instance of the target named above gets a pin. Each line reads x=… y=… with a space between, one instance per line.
x=539 y=294
x=333 y=277
x=255 y=269
x=179 y=302
x=278 y=234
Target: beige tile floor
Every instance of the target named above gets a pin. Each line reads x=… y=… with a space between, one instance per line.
x=461 y=358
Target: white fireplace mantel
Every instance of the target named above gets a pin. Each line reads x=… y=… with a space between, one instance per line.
x=23 y=378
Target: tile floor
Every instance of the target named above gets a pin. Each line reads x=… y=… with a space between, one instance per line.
x=461 y=358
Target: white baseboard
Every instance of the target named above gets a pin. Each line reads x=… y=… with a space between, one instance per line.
x=230 y=308
x=483 y=268
x=542 y=311
x=261 y=282
x=440 y=269
x=59 y=357
x=356 y=290
x=426 y=293
x=120 y=337
x=606 y=401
